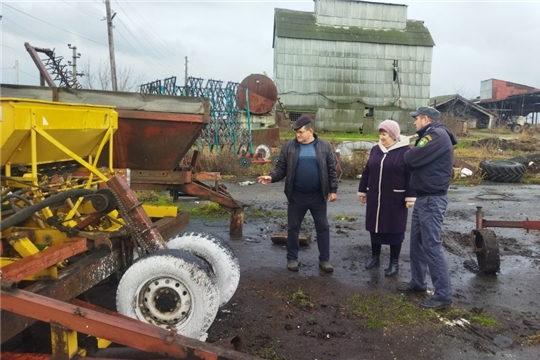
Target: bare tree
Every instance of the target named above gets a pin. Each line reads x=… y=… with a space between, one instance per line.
x=100 y=78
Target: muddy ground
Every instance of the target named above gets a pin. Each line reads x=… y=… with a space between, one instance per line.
x=270 y=324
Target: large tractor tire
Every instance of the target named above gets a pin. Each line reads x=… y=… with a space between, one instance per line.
x=170 y=288
x=502 y=171
x=217 y=253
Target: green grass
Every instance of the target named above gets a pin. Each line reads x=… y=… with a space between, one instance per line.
x=344 y=217
x=258 y=213
x=334 y=137
x=481 y=318
x=196 y=209
x=301 y=300
x=378 y=311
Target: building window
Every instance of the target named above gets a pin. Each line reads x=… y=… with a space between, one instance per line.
x=293 y=116
x=368 y=112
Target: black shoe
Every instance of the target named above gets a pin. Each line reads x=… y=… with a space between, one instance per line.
x=326 y=266
x=408 y=287
x=292 y=265
x=434 y=304
x=371 y=263
x=393 y=268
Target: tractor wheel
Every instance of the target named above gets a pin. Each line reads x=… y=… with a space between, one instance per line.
x=244 y=162
x=502 y=171
x=217 y=253
x=516 y=128
x=274 y=160
x=486 y=246
x=170 y=288
x=263 y=151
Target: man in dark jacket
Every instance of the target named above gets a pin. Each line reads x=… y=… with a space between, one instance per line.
x=309 y=166
x=430 y=163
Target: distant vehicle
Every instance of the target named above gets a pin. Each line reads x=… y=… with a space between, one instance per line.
x=517 y=123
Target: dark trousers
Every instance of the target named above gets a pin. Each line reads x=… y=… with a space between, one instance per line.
x=427 y=246
x=299 y=204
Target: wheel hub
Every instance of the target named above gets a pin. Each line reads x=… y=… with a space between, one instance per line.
x=164 y=301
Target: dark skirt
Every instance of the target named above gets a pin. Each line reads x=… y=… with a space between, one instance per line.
x=387 y=239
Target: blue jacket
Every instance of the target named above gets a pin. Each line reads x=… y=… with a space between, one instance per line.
x=288 y=158
x=431 y=160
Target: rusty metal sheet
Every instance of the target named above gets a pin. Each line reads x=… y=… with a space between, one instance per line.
x=94 y=268
x=128 y=332
x=269 y=137
x=152 y=140
x=27 y=266
x=262 y=94
x=158 y=177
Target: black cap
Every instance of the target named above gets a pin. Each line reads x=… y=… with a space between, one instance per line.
x=430 y=112
x=302 y=120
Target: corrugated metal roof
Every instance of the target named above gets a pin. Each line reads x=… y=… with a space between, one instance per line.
x=443 y=99
x=302 y=25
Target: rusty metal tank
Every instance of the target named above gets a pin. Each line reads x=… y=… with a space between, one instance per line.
x=154 y=131
x=262 y=94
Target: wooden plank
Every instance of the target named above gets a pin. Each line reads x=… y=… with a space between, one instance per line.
x=281 y=239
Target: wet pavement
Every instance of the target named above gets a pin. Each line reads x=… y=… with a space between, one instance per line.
x=514 y=290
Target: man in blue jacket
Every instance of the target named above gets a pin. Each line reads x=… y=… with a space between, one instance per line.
x=430 y=162
x=308 y=165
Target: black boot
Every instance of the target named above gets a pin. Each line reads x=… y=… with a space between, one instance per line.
x=374 y=261
x=393 y=268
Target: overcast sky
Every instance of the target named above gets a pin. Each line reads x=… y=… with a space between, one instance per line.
x=229 y=40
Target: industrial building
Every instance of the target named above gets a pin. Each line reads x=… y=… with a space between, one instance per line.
x=351 y=64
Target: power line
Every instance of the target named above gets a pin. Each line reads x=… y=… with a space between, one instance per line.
x=70 y=32
x=24 y=72
x=84 y=12
x=149 y=41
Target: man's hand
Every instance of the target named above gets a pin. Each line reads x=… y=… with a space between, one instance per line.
x=409 y=204
x=265 y=180
x=362 y=198
x=332 y=197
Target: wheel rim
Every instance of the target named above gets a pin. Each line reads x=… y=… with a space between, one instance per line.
x=244 y=162
x=164 y=301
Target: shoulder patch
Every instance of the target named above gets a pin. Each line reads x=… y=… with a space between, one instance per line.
x=423 y=141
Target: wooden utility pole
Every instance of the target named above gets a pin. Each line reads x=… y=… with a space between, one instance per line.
x=111 y=44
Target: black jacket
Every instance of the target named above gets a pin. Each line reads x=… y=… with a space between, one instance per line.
x=431 y=160
x=288 y=158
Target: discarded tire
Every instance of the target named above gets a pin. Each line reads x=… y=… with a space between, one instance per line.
x=486 y=247
x=170 y=288
x=217 y=253
x=263 y=151
x=502 y=171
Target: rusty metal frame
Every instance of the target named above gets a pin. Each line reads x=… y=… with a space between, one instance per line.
x=29 y=265
x=121 y=330
x=482 y=223
x=42 y=70
x=94 y=268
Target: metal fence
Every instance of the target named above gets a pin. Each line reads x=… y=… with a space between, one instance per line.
x=225 y=129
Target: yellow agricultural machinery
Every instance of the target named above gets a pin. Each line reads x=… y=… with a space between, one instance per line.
x=70 y=219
